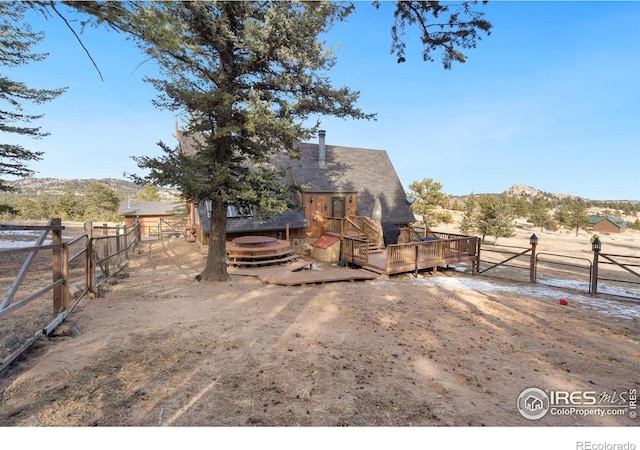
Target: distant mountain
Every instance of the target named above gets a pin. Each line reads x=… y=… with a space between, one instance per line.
x=33 y=187
x=521 y=190
x=530 y=193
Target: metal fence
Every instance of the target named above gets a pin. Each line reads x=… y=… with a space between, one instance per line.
x=617 y=275
x=511 y=263
x=563 y=271
x=613 y=275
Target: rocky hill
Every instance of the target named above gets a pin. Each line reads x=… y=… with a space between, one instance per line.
x=33 y=187
x=521 y=190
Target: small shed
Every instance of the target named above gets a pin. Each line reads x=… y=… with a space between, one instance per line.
x=156 y=218
x=326 y=249
x=607 y=224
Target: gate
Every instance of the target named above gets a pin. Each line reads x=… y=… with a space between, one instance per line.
x=563 y=271
x=621 y=280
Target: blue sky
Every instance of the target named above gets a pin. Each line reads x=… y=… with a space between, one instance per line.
x=550 y=99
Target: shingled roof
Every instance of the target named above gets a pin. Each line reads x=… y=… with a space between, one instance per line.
x=293 y=219
x=139 y=208
x=367 y=172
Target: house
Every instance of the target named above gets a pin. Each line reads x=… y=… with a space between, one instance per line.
x=156 y=218
x=607 y=224
x=338 y=182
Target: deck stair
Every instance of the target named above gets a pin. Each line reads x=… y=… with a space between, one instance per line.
x=267 y=253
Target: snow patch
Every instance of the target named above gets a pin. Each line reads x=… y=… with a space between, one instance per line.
x=613 y=308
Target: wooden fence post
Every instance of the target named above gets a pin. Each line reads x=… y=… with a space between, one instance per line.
x=65 y=277
x=56 y=264
x=90 y=264
x=596 y=246
x=118 y=247
x=532 y=260
x=105 y=248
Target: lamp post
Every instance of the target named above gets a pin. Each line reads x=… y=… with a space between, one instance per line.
x=596 y=246
x=533 y=240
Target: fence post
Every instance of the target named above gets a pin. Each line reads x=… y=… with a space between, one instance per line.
x=105 y=248
x=65 y=276
x=56 y=264
x=138 y=231
x=475 y=267
x=90 y=264
x=533 y=240
x=118 y=246
x=596 y=246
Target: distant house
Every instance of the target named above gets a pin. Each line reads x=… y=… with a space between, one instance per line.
x=607 y=224
x=339 y=182
x=156 y=218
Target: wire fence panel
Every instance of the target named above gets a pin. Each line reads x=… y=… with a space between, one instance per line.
x=563 y=271
x=510 y=263
x=619 y=275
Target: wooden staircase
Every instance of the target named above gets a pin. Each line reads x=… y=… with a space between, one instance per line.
x=279 y=253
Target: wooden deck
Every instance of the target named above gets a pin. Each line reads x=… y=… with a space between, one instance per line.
x=443 y=250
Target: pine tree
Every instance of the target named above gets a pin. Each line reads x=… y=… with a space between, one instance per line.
x=149 y=193
x=496 y=217
x=430 y=197
x=577 y=212
x=100 y=202
x=16 y=41
x=539 y=215
x=68 y=205
x=468 y=224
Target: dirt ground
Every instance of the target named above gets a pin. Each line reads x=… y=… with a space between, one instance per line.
x=160 y=349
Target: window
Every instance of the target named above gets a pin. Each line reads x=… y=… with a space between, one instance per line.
x=338 y=207
x=232 y=211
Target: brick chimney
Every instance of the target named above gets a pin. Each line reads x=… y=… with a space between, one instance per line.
x=322 y=150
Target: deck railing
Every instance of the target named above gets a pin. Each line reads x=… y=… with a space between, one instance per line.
x=355 y=250
x=415 y=256
x=355 y=226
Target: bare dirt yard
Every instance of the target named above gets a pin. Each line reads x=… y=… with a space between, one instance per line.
x=445 y=349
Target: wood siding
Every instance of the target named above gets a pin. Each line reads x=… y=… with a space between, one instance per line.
x=319 y=205
x=606 y=226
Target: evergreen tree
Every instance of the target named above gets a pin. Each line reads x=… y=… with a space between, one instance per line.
x=26 y=208
x=429 y=197
x=68 y=205
x=468 y=224
x=100 y=203
x=16 y=41
x=578 y=217
x=496 y=217
x=539 y=215
x=520 y=206
x=561 y=213
x=149 y=193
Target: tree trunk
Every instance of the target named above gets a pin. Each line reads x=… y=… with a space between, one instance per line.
x=216 y=268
